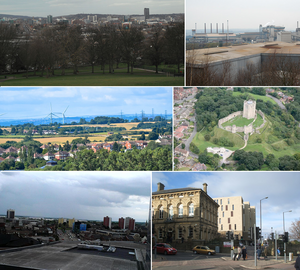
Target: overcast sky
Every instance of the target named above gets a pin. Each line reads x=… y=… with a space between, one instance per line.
x=79 y=195
x=42 y=8
x=281 y=188
x=24 y=102
x=242 y=14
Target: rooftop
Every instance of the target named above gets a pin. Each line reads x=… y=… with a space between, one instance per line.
x=175 y=190
x=232 y=52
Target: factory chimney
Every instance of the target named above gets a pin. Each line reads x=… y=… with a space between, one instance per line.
x=223 y=28
x=204 y=28
x=217 y=28
x=211 y=28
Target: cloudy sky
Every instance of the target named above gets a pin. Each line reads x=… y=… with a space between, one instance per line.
x=34 y=102
x=66 y=7
x=82 y=195
x=281 y=188
x=242 y=14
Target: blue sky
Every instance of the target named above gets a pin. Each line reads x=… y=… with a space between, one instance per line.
x=34 y=102
x=67 y=7
x=82 y=195
x=281 y=188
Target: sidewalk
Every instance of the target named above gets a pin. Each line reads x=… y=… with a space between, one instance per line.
x=262 y=263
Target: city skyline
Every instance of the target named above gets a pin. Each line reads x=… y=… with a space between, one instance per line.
x=34 y=102
x=241 y=15
x=64 y=8
x=79 y=195
x=251 y=186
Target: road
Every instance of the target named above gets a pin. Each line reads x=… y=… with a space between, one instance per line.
x=280 y=104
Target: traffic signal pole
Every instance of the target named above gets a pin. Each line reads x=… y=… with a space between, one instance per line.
x=255 y=253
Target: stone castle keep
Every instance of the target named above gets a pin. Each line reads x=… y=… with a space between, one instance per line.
x=249 y=112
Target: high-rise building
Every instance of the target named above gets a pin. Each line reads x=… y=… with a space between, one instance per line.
x=49 y=19
x=10 y=214
x=146 y=13
x=121 y=223
x=131 y=225
x=107 y=222
x=235 y=215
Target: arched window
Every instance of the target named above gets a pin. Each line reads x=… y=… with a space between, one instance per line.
x=171 y=212
x=161 y=212
x=180 y=210
x=191 y=210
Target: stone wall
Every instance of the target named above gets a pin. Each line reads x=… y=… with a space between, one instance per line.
x=229 y=117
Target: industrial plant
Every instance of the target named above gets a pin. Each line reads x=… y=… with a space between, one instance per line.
x=270 y=56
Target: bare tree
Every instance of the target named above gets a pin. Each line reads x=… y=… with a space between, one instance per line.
x=295 y=230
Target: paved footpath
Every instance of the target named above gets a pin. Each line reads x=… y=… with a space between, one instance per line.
x=222 y=263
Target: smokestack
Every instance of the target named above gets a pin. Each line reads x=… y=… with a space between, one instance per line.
x=160 y=186
x=297 y=24
x=211 y=28
x=205 y=28
x=223 y=28
x=205 y=187
x=217 y=28
x=196 y=27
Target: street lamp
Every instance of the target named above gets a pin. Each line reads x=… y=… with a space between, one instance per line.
x=260 y=219
x=284 y=245
x=283 y=220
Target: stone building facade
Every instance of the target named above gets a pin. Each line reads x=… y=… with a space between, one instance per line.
x=184 y=214
x=235 y=215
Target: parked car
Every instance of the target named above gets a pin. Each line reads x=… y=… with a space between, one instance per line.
x=165 y=248
x=203 y=250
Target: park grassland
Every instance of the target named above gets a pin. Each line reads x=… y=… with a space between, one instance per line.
x=85 y=77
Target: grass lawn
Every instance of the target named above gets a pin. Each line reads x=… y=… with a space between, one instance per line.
x=239 y=121
x=264 y=98
x=200 y=142
x=259 y=121
x=86 y=78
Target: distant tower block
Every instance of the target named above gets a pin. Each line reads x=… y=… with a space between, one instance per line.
x=249 y=109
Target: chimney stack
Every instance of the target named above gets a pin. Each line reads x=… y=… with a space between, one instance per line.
x=160 y=186
x=217 y=28
x=205 y=187
x=205 y=28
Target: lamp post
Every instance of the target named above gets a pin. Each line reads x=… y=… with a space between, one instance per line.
x=260 y=219
x=284 y=247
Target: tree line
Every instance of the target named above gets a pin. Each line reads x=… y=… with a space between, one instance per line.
x=63 y=47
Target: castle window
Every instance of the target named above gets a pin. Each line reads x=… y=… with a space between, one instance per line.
x=220 y=201
x=229 y=226
x=233 y=207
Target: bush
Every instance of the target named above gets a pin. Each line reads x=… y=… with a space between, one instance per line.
x=207 y=137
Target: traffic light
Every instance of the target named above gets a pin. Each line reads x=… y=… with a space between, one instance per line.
x=258 y=233
x=231 y=235
x=227 y=235
x=286 y=237
x=272 y=236
x=236 y=237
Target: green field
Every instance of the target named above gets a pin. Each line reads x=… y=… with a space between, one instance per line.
x=85 y=77
x=200 y=142
x=264 y=98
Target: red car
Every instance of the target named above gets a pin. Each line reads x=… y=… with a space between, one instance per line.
x=165 y=249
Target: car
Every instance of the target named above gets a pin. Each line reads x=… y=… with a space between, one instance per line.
x=203 y=250
x=165 y=248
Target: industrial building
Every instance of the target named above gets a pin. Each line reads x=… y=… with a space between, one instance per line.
x=232 y=61
x=10 y=214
